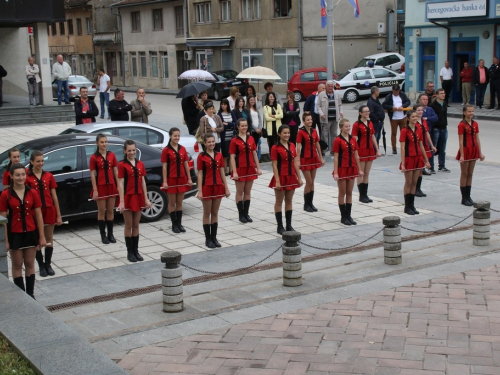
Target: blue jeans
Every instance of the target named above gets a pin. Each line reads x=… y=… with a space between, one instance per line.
x=480 y=91
x=104 y=97
x=378 y=129
x=439 y=138
x=60 y=86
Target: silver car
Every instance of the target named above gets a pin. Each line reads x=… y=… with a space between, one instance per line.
x=74 y=83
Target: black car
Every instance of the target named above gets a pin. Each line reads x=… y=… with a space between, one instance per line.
x=224 y=80
x=67 y=156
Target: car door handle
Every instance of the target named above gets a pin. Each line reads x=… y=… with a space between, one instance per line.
x=73 y=183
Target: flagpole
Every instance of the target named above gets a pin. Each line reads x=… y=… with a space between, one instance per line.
x=329 y=39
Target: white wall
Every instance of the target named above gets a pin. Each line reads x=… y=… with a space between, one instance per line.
x=14 y=57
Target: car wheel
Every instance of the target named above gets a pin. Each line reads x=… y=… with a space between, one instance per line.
x=351 y=96
x=159 y=200
x=217 y=95
x=298 y=96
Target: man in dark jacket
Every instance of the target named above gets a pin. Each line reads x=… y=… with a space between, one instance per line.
x=3 y=73
x=118 y=107
x=190 y=112
x=394 y=104
x=377 y=113
x=480 y=80
x=310 y=105
x=440 y=129
x=494 y=83
x=85 y=109
x=431 y=117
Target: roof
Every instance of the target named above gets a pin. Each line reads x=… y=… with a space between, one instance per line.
x=75 y=3
x=130 y=3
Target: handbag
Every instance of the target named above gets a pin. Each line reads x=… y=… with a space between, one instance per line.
x=32 y=80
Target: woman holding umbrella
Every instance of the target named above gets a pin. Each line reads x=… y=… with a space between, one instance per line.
x=272 y=115
x=189 y=95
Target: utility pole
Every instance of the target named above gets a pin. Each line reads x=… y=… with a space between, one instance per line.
x=329 y=39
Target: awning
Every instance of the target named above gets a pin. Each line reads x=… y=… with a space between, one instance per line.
x=217 y=41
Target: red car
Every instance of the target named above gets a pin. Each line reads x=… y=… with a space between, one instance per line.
x=304 y=82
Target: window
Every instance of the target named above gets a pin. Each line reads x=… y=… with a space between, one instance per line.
x=164 y=64
x=225 y=7
x=88 y=25
x=137 y=134
x=251 y=57
x=322 y=76
x=61 y=161
x=134 y=63
x=70 y=27
x=203 y=13
x=286 y=62
x=227 y=59
x=144 y=68
x=154 y=64
x=250 y=9
x=179 y=21
x=79 y=26
x=282 y=8
x=382 y=73
x=62 y=30
x=136 y=22
x=307 y=77
x=157 y=19
x=364 y=74
x=391 y=59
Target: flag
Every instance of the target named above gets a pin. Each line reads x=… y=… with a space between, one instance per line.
x=323 y=14
x=355 y=5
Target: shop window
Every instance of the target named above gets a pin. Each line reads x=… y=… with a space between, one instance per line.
x=154 y=64
x=286 y=62
x=203 y=13
x=157 y=19
x=179 y=21
x=428 y=63
x=136 y=22
x=250 y=10
x=143 y=62
x=227 y=59
x=282 y=8
x=225 y=7
x=251 y=57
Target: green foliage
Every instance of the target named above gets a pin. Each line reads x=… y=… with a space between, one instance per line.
x=12 y=363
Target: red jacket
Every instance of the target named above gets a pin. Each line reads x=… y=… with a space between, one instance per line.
x=466 y=74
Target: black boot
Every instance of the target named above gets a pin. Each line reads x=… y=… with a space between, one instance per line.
x=311 y=198
x=246 y=208
x=366 y=193
x=111 y=238
x=102 y=229
x=412 y=204
x=41 y=263
x=48 y=260
x=19 y=282
x=408 y=209
x=30 y=285
x=175 y=225
x=208 y=238
x=213 y=228
x=307 y=202
x=130 y=250
x=468 y=195
x=362 y=197
x=179 y=221
x=241 y=212
x=465 y=199
x=135 y=245
x=343 y=216
x=418 y=191
x=288 y=217
x=348 y=209
x=279 y=220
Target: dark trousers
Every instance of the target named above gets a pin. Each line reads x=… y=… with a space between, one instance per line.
x=439 y=138
x=480 y=91
x=494 y=90
x=447 y=86
x=294 y=129
x=378 y=125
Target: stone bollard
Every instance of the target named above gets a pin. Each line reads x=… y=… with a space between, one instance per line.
x=171 y=281
x=392 y=240
x=292 y=259
x=481 y=223
x=4 y=266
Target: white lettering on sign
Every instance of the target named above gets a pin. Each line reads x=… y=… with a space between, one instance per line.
x=498 y=10
x=457 y=9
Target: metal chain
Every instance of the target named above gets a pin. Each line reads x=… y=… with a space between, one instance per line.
x=491 y=209
x=436 y=230
x=342 y=248
x=236 y=271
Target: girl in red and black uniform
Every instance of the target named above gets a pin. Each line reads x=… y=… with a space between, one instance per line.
x=133 y=197
x=286 y=169
x=346 y=168
x=14 y=157
x=176 y=177
x=212 y=186
x=364 y=133
x=24 y=230
x=469 y=152
x=413 y=159
x=103 y=174
x=310 y=158
x=45 y=184
x=423 y=128
x=245 y=168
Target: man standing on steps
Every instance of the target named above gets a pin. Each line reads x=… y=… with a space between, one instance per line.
x=104 y=87
x=446 y=77
x=466 y=75
x=494 y=83
x=118 y=107
x=439 y=130
x=61 y=72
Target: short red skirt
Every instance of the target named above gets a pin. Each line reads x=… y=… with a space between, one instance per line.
x=105 y=191
x=251 y=172
x=135 y=202
x=367 y=154
x=469 y=153
x=175 y=181
x=212 y=192
x=347 y=173
x=413 y=162
x=49 y=215
x=289 y=182
x=309 y=164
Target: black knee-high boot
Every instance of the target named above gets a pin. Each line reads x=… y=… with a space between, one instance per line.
x=366 y=193
x=48 y=260
x=179 y=221
x=418 y=191
x=279 y=221
x=130 y=250
x=408 y=209
x=208 y=238
x=175 y=224
x=311 y=198
x=102 y=230
x=288 y=217
x=362 y=193
x=41 y=263
x=213 y=233
x=343 y=216
x=246 y=208
x=307 y=202
x=465 y=199
x=412 y=204
x=111 y=237
x=468 y=195
x=30 y=285
x=135 y=245
x=19 y=282
x=348 y=208
x=241 y=212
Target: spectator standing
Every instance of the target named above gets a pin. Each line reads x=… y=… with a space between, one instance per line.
x=211 y=123
x=494 y=83
x=268 y=86
x=440 y=129
x=377 y=113
x=394 y=104
x=190 y=113
x=272 y=117
x=229 y=131
x=253 y=106
x=61 y=72
x=329 y=108
x=466 y=75
x=446 y=77
x=141 y=109
x=3 y=73
x=234 y=92
x=310 y=105
x=430 y=117
x=480 y=79
x=85 y=108
x=429 y=91
x=118 y=107
x=32 y=74
x=104 y=87
x=291 y=116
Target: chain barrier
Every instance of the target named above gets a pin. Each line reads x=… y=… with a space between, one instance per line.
x=491 y=209
x=342 y=248
x=435 y=230
x=233 y=272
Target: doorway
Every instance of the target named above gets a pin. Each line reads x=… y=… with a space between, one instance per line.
x=164 y=67
x=461 y=52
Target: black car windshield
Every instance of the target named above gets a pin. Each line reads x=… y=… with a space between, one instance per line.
x=343 y=75
x=228 y=74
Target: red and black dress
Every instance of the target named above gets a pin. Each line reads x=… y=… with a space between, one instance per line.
x=413 y=154
x=423 y=128
x=44 y=187
x=6 y=178
x=471 y=151
x=245 y=162
x=347 y=167
x=286 y=167
x=133 y=194
x=21 y=227
x=212 y=184
x=105 y=179
x=367 y=150
x=309 y=159
x=176 y=172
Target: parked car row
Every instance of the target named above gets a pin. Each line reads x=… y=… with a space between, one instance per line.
x=75 y=83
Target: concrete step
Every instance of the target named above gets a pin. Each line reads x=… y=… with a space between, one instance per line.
x=36 y=115
x=31 y=109
x=20 y=120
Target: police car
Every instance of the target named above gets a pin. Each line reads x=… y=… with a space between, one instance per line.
x=358 y=82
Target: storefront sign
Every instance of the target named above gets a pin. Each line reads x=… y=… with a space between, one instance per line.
x=456 y=9
x=209 y=52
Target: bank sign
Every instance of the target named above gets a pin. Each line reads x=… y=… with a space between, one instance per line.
x=456 y=9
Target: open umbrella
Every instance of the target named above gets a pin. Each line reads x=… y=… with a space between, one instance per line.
x=193 y=88
x=258 y=73
x=197 y=74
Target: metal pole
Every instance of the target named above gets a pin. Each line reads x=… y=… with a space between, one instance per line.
x=329 y=39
